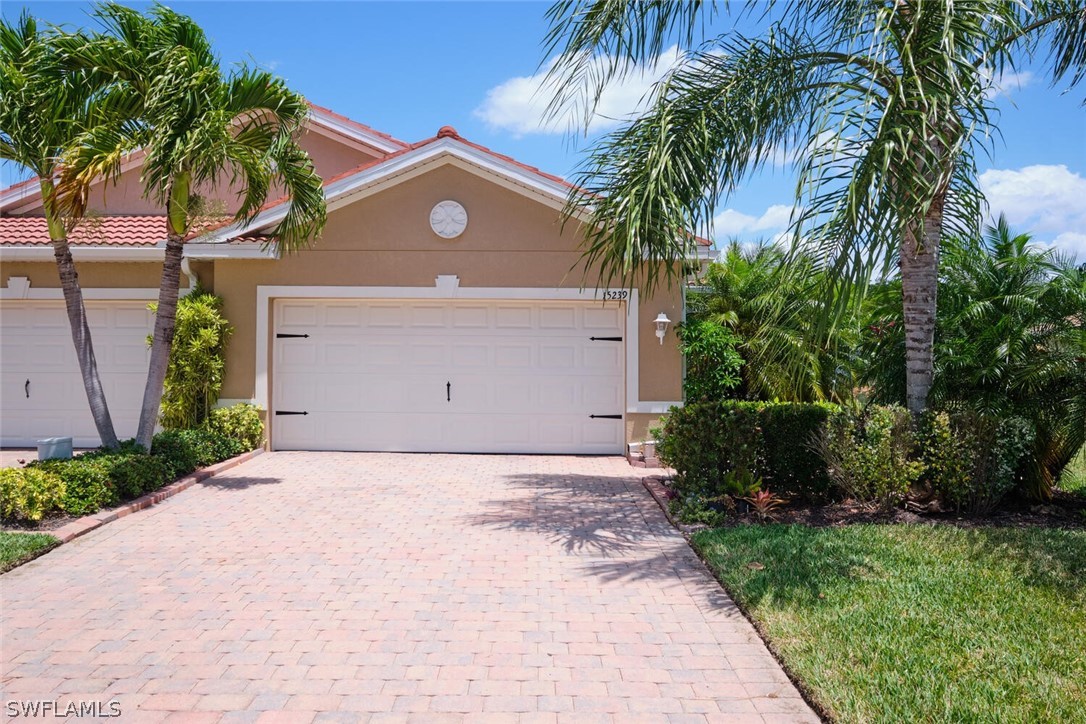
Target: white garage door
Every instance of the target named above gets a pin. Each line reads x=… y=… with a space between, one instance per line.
x=42 y=390
x=443 y=376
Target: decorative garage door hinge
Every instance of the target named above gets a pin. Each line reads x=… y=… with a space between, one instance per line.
x=291 y=336
x=291 y=412
x=605 y=339
x=606 y=417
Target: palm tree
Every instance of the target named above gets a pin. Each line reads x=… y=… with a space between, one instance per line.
x=44 y=108
x=884 y=105
x=771 y=303
x=1010 y=339
x=195 y=126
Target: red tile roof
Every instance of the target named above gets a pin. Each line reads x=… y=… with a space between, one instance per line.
x=96 y=231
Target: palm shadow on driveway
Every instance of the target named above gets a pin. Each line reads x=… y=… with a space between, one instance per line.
x=610 y=523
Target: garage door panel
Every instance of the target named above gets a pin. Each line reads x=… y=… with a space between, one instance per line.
x=524 y=376
x=36 y=345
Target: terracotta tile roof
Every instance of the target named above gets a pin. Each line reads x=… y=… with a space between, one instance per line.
x=98 y=231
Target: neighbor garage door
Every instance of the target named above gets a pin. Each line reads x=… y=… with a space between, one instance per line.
x=43 y=394
x=541 y=377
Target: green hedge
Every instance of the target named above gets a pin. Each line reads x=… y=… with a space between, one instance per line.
x=103 y=478
x=704 y=441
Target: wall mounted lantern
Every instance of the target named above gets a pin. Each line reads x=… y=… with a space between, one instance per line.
x=661 y=323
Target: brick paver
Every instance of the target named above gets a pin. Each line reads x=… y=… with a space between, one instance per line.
x=351 y=587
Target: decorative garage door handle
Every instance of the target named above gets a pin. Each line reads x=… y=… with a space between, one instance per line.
x=291 y=412
x=291 y=336
x=26 y=387
x=606 y=417
x=605 y=339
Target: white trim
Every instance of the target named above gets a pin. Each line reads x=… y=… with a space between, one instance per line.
x=265 y=294
x=325 y=120
x=83 y=253
x=138 y=253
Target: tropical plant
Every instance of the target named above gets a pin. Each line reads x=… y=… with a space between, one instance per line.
x=43 y=109
x=712 y=364
x=772 y=303
x=764 y=503
x=197 y=361
x=195 y=125
x=1010 y=340
x=884 y=105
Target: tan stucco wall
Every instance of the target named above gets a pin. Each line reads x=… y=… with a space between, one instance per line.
x=386 y=240
x=107 y=275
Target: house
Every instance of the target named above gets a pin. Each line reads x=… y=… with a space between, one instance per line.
x=440 y=311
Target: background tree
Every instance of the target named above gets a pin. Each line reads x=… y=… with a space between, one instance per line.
x=772 y=303
x=884 y=103
x=1010 y=341
x=197 y=127
x=43 y=109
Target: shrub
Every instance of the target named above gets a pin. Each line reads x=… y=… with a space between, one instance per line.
x=87 y=483
x=197 y=360
x=712 y=364
x=705 y=441
x=185 y=450
x=240 y=422
x=133 y=475
x=869 y=455
x=28 y=494
x=971 y=459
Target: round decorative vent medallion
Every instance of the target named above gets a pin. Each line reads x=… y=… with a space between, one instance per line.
x=448 y=219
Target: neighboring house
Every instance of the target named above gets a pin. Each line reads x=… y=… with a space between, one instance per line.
x=440 y=311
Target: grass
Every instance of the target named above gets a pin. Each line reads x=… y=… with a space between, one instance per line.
x=1073 y=478
x=913 y=623
x=16 y=548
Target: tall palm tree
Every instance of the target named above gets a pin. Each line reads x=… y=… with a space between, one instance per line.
x=196 y=125
x=43 y=109
x=884 y=104
x=1010 y=339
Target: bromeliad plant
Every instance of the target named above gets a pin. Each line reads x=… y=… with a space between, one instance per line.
x=764 y=503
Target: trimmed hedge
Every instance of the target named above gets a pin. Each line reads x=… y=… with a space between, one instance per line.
x=705 y=441
x=103 y=478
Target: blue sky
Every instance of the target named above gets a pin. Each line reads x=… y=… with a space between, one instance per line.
x=407 y=68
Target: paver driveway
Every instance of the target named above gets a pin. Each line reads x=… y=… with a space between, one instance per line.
x=354 y=587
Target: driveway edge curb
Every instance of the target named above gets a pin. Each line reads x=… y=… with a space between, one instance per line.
x=84 y=525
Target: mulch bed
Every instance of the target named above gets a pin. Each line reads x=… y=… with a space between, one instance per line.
x=1065 y=510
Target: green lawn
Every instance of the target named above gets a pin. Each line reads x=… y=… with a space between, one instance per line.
x=1073 y=478
x=895 y=623
x=18 y=547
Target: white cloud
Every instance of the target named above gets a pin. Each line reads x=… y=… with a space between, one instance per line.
x=730 y=222
x=520 y=104
x=1008 y=83
x=1046 y=201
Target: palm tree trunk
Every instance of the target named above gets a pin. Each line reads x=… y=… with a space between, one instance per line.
x=84 y=348
x=919 y=265
x=165 y=323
